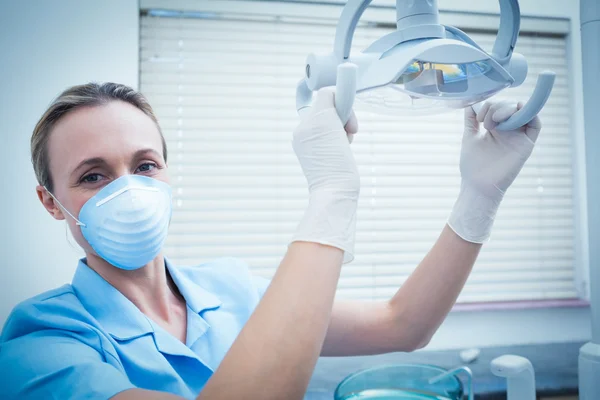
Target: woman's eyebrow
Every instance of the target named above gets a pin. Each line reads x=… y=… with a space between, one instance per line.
x=95 y=161
x=142 y=152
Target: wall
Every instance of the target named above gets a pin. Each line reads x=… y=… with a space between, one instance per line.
x=46 y=47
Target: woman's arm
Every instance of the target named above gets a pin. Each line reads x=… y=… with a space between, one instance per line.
x=409 y=319
x=275 y=353
x=489 y=163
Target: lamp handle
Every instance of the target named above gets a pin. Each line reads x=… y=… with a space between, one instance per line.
x=345 y=92
x=534 y=105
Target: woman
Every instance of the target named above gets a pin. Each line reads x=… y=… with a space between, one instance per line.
x=133 y=326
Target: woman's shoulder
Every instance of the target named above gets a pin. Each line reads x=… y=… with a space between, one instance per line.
x=51 y=347
x=55 y=309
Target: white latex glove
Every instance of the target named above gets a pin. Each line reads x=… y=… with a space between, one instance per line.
x=489 y=163
x=322 y=146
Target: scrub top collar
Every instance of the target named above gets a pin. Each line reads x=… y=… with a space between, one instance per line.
x=117 y=314
x=196 y=297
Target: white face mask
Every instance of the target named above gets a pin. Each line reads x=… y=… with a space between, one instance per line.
x=127 y=221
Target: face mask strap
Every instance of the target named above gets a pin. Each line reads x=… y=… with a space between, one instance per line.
x=63 y=208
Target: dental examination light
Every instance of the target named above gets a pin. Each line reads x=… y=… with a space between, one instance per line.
x=423 y=67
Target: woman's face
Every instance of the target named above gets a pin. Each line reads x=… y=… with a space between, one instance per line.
x=92 y=146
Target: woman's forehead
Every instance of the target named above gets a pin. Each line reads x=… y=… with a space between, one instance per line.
x=112 y=131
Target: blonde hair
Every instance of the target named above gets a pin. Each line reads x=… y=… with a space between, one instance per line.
x=90 y=94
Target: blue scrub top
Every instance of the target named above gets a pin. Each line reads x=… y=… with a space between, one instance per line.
x=87 y=340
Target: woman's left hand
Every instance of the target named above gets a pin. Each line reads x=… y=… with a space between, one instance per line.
x=489 y=163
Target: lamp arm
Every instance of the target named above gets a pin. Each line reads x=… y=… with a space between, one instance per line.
x=344 y=32
x=510 y=24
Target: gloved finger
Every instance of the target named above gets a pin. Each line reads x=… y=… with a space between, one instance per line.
x=483 y=111
x=351 y=126
x=471 y=124
x=350 y=137
x=533 y=128
x=324 y=99
x=470 y=113
x=504 y=113
x=488 y=122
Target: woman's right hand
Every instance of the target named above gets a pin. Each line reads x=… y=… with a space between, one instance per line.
x=322 y=145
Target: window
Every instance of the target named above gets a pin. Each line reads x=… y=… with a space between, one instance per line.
x=223 y=87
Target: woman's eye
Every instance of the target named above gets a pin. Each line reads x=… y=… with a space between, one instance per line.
x=91 y=178
x=146 y=167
